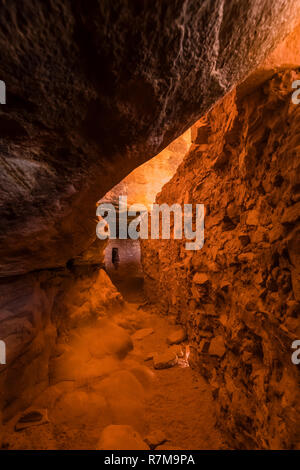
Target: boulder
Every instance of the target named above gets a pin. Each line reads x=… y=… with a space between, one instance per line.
x=77 y=408
x=155 y=438
x=176 y=336
x=125 y=396
x=121 y=437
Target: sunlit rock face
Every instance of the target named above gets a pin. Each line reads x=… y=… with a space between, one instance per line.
x=239 y=295
x=140 y=188
x=142 y=184
x=286 y=55
x=96 y=88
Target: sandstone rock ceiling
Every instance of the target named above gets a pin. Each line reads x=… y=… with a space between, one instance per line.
x=95 y=88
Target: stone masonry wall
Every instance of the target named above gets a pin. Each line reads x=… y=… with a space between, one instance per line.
x=239 y=295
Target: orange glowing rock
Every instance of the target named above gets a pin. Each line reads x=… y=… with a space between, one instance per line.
x=177 y=336
x=142 y=333
x=200 y=278
x=121 y=437
x=165 y=360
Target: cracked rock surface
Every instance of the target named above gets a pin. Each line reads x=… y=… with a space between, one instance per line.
x=239 y=295
x=96 y=88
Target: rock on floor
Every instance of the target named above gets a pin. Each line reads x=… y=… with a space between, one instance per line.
x=155 y=438
x=149 y=356
x=165 y=360
x=34 y=417
x=143 y=333
x=177 y=336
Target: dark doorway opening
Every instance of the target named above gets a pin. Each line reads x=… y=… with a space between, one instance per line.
x=115 y=259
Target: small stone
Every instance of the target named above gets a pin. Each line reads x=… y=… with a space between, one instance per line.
x=176 y=336
x=252 y=218
x=200 y=278
x=143 y=333
x=149 y=356
x=33 y=417
x=217 y=346
x=165 y=360
x=121 y=437
x=291 y=214
x=155 y=438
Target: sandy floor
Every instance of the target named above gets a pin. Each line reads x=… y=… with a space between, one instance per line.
x=176 y=401
x=181 y=404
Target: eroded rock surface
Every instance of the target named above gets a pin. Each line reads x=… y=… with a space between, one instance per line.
x=38 y=310
x=239 y=295
x=96 y=88
x=93 y=90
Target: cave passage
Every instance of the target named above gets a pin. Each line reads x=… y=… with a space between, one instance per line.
x=123 y=265
x=126 y=373
x=148 y=344
x=122 y=257
x=144 y=357
x=144 y=353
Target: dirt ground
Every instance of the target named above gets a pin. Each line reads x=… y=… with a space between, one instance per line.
x=120 y=386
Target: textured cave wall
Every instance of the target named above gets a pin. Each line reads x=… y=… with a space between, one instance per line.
x=94 y=89
x=239 y=295
x=37 y=311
